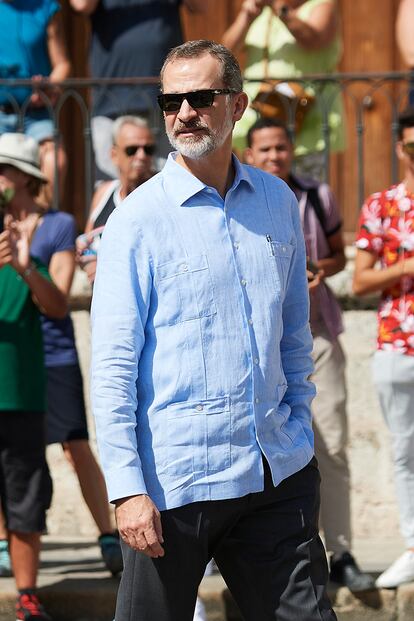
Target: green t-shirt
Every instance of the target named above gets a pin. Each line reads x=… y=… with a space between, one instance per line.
x=22 y=371
x=287 y=59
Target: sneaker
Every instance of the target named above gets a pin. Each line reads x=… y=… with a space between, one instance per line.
x=111 y=553
x=28 y=608
x=5 y=565
x=401 y=571
x=346 y=572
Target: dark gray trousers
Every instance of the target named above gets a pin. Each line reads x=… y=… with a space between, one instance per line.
x=266 y=546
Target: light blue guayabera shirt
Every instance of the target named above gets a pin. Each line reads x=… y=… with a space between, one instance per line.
x=201 y=342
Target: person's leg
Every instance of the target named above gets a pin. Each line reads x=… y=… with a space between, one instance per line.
x=5 y=564
x=24 y=553
x=165 y=588
x=272 y=559
x=330 y=428
x=393 y=376
x=91 y=481
x=27 y=496
x=66 y=424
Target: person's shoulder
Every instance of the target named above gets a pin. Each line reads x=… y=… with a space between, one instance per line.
x=274 y=186
x=142 y=204
x=59 y=218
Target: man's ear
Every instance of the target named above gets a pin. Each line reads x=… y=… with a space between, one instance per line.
x=248 y=156
x=399 y=150
x=114 y=154
x=240 y=103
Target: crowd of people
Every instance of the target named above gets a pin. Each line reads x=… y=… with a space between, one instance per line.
x=202 y=377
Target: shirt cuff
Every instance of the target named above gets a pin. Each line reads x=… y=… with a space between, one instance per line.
x=123 y=482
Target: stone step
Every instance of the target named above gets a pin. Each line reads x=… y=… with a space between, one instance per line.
x=74 y=586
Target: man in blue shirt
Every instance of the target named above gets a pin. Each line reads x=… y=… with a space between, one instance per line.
x=201 y=359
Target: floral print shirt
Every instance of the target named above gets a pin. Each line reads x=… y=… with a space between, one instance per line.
x=386 y=228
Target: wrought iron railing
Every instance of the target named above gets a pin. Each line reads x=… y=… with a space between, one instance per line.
x=360 y=92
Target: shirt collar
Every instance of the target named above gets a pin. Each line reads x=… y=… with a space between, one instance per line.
x=182 y=185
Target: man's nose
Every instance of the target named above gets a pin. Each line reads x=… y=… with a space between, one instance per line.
x=186 y=112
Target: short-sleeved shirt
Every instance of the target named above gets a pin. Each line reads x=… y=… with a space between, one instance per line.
x=56 y=233
x=386 y=229
x=317 y=229
x=22 y=374
x=130 y=38
x=23 y=42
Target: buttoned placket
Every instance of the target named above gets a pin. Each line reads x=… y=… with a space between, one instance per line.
x=237 y=250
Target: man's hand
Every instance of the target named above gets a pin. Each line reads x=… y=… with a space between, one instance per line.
x=139 y=524
x=253 y=8
x=314 y=280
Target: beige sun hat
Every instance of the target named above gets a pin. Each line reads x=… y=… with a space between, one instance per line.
x=22 y=152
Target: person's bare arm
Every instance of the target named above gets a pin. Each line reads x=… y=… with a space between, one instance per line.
x=62 y=269
x=86 y=7
x=369 y=279
x=317 y=31
x=139 y=524
x=336 y=261
x=56 y=46
x=404 y=31
x=235 y=35
x=196 y=6
x=15 y=251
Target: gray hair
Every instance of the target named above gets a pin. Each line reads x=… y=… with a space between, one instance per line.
x=127 y=119
x=230 y=69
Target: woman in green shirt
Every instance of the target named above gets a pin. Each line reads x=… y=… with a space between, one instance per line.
x=25 y=290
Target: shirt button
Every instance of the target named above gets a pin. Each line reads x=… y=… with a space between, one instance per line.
x=256 y=361
x=199 y=408
x=256 y=400
x=284 y=248
x=243 y=282
x=184 y=267
x=251 y=321
x=236 y=245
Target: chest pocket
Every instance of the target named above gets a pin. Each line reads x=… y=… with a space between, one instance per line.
x=185 y=290
x=281 y=254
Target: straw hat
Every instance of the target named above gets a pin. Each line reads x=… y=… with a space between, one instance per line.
x=22 y=152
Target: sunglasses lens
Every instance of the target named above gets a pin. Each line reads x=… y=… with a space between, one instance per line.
x=149 y=149
x=200 y=99
x=170 y=102
x=409 y=148
x=131 y=150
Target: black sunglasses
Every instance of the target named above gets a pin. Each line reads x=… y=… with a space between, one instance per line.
x=149 y=149
x=172 y=102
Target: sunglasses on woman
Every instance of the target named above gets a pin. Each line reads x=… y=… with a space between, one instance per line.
x=172 y=102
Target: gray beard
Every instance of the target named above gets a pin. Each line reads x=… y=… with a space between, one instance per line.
x=199 y=147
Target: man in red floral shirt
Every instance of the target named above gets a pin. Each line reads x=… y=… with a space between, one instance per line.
x=386 y=234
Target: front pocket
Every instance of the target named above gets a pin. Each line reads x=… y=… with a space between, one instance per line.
x=198 y=436
x=281 y=253
x=185 y=290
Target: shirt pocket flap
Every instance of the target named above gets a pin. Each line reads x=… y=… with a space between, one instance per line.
x=182 y=266
x=217 y=405
x=282 y=249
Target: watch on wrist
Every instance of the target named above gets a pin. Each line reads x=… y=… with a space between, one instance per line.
x=283 y=12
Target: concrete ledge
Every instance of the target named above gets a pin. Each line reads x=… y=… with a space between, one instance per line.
x=75 y=586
